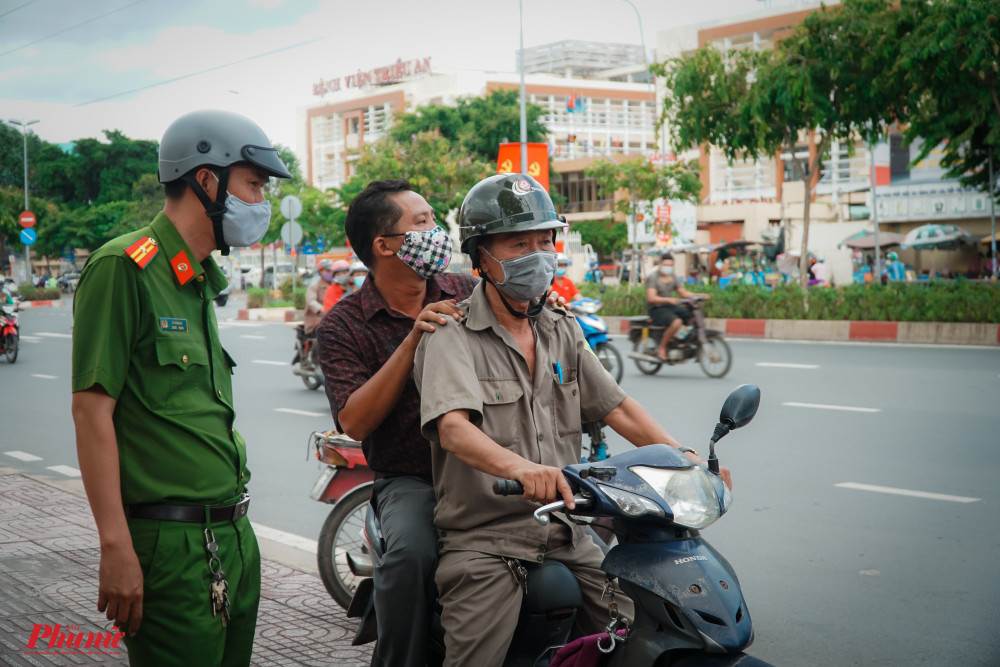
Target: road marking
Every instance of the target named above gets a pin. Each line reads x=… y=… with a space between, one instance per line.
x=267 y=362
x=46 y=334
x=30 y=339
x=823 y=406
x=23 y=456
x=769 y=364
x=907 y=492
x=253 y=337
x=289 y=539
x=304 y=413
x=45 y=377
x=65 y=470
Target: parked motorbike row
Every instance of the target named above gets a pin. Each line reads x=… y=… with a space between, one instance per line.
x=690 y=608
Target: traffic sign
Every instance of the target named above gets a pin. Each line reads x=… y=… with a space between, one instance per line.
x=291 y=207
x=28 y=236
x=27 y=219
x=291 y=233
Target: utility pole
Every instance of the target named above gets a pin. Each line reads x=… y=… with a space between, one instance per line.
x=524 y=115
x=23 y=124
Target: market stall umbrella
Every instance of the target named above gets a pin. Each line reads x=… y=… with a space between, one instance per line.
x=989 y=239
x=936 y=237
x=865 y=240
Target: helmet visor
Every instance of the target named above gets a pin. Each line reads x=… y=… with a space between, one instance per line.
x=267 y=159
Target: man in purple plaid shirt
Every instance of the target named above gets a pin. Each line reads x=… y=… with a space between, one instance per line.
x=367 y=342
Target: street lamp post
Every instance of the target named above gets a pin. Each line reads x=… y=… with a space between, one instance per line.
x=23 y=124
x=524 y=114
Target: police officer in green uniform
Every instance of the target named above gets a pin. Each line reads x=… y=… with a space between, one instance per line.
x=164 y=470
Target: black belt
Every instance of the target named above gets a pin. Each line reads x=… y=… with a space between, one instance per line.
x=190 y=513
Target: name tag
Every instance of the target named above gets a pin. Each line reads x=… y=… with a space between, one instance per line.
x=173 y=324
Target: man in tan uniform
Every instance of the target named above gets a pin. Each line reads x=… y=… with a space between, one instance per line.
x=504 y=395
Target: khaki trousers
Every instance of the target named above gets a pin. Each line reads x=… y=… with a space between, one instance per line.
x=481 y=601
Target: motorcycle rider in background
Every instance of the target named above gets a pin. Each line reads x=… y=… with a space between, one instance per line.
x=359 y=272
x=562 y=285
x=665 y=309
x=336 y=288
x=315 y=294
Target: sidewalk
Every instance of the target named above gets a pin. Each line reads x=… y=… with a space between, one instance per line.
x=49 y=560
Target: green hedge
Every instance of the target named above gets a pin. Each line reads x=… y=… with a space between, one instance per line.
x=29 y=293
x=938 y=301
x=260 y=297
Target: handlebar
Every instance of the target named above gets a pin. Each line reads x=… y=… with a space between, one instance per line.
x=507 y=487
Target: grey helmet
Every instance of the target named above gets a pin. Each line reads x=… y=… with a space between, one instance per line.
x=217 y=138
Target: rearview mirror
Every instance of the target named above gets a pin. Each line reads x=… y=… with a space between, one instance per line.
x=741 y=406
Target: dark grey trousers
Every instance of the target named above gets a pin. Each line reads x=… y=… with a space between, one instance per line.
x=404 y=581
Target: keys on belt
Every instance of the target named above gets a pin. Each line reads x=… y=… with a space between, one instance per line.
x=190 y=513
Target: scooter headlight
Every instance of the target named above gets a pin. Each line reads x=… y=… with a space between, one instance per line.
x=631 y=504
x=691 y=493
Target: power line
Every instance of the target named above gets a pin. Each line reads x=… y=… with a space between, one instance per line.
x=204 y=71
x=11 y=11
x=65 y=30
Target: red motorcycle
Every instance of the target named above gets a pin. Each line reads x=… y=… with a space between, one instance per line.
x=9 y=332
x=345 y=482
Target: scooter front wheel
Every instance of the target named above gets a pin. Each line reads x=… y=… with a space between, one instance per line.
x=10 y=347
x=312 y=381
x=715 y=357
x=340 y=535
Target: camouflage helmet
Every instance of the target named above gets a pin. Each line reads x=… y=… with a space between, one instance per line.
x=505 y=203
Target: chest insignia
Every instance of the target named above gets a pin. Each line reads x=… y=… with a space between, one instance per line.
x=142 y=251
x=173 y=324
x=182 y=268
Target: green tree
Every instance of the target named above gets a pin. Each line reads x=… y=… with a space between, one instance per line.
x=607 y=237
x=644 y=182
x=439 y=170
x=950 y=65
x=830 y=75
x=478 y=124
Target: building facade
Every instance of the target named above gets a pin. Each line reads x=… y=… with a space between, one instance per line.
x=753 y=199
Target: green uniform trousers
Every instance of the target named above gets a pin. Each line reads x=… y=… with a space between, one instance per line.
x=178 y=627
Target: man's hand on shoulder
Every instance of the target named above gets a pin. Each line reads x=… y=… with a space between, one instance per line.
x=436 y=314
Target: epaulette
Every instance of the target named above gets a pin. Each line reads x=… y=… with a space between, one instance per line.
x=142 y=251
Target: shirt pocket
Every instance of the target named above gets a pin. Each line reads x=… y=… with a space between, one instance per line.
x=502 y=420
x=182 y=381
x=566 y=402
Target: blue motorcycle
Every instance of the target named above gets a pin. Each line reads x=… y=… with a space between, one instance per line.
x=595 y=330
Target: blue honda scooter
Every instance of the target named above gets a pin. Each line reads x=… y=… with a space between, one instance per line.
x=595 y=330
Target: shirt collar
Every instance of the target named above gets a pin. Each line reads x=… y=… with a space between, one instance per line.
x=172 y=244
x=481 y=315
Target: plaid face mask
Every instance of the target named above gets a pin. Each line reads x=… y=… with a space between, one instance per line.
x=428 y=253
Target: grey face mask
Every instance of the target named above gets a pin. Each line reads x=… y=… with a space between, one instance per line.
x=528 y=276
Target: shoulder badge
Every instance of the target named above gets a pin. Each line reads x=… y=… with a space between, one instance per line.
x=183 y=270
x=142 y=251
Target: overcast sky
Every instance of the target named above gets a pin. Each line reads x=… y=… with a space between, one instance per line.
x=82 y=66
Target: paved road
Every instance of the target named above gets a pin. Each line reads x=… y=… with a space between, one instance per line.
x=833 y=574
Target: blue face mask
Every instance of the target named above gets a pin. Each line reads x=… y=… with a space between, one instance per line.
x=560 y=273
x=359 y=281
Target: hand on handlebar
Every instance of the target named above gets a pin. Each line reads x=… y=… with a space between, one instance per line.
x=543 y=484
